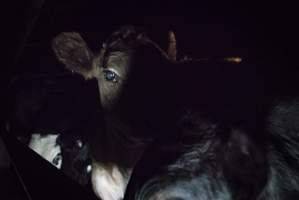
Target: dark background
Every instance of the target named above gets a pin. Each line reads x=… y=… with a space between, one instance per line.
x=255 y=31
x=259 y=30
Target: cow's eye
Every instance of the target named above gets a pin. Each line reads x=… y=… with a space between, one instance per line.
x=57 y=160
x=110 y=76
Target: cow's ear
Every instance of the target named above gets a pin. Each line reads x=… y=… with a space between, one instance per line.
x=73 y=52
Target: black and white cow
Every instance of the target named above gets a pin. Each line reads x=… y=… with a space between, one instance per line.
x=69 y=154
x=47 y=147
x=41 y=118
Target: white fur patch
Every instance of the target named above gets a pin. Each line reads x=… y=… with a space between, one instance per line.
x=108 y=183
x=46 y=147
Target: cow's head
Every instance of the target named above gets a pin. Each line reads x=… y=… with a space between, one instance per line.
x=132 y=77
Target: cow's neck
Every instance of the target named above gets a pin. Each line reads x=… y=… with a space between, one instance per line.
x=115 y=148
x=114 y=158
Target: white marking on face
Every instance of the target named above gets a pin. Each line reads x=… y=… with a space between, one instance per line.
x=47 y=147
x=108 y=183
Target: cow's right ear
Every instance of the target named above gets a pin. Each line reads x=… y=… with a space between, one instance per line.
x=73 y=52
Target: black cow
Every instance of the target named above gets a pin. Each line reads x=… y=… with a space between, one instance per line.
x=146 y=97
x=204 y=166
x=134 y=93
x=213 y=130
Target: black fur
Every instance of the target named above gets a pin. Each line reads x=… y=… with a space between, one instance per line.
x=248 y=156
x=212 y=126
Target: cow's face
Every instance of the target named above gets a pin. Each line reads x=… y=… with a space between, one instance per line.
x=131 y=82
x=111 y=66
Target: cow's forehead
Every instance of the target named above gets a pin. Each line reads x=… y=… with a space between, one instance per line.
x=119 y=61
x=123 y=34
x=120 y=45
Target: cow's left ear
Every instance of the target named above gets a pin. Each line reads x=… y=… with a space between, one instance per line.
x=73 y=52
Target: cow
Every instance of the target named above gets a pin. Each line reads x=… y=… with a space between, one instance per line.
x=204 y=166
x=41 y=119
x=47 y=147
x=145 y=95
x=67 y=153
x=135 y=111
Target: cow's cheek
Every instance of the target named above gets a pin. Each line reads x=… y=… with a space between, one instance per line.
x=109 y=93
